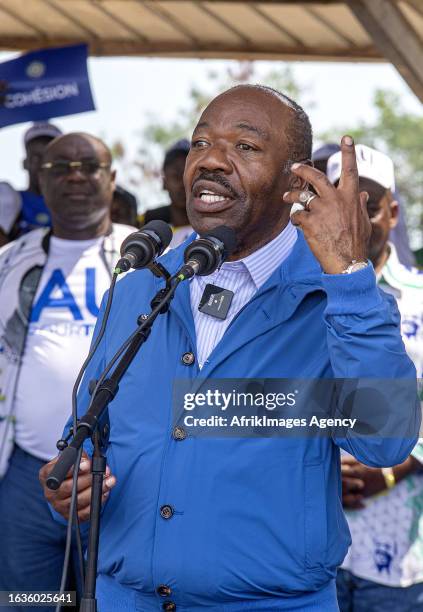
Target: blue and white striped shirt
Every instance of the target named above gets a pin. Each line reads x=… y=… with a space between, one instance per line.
x=244 y=277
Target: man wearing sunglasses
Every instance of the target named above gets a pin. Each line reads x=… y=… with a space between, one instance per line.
x=385 y=505
x=51 y=284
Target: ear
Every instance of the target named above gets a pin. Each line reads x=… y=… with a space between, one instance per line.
x=296 y=182
x=394 y=210
x=113 y=179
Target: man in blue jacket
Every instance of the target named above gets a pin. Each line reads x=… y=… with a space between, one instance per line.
x=230 y=524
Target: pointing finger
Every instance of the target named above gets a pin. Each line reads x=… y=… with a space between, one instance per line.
x=349 y=174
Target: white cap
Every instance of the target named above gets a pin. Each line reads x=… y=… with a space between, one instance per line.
x=42 y=130
x=371 y=164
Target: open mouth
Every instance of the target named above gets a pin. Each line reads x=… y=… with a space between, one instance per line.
x=76 y=195
x=210 y=197
x=209 y=202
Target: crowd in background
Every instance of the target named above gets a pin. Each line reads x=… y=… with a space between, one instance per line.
x=49 y=307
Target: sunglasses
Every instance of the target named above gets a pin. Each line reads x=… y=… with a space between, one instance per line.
x=63 y=168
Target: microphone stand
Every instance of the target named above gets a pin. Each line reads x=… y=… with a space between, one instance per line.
x=88 y=600
x=88 y=427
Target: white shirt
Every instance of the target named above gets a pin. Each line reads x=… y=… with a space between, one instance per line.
x=62 y=322
x=179 y=235
x=387 y=535
x=244 y=277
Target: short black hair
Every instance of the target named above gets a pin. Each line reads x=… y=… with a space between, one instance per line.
x=125 y=206
x=299 y=133
x=179 y=149
x=126 y=196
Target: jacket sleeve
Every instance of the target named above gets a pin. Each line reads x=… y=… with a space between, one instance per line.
x=380 y=386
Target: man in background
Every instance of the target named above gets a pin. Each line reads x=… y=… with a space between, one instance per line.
x=385 y=504
x=124 y=207
x=399 y=234
x=321 y=155
x=174 y=213
x=51 y=284
x=23 y=211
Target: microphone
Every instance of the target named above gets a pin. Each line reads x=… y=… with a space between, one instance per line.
x=142 y=247
x=207 y=253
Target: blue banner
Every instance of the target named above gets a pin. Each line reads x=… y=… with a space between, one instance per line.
x=43 y=84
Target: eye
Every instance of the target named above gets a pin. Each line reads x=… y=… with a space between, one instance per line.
x=199 y=144
x=245 y=147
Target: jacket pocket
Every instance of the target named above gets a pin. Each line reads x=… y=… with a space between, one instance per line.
x=315 y=516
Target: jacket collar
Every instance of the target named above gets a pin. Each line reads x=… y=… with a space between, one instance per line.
x=276 y=301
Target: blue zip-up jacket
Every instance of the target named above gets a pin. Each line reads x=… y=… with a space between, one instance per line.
x=251 y=518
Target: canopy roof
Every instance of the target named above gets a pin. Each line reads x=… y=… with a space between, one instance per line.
x=343 y=30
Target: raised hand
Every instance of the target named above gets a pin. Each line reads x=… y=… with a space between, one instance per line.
x=335 y=222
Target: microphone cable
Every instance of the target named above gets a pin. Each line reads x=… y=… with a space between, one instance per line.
x=73 y=514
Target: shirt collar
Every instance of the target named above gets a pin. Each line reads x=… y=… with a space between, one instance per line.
x=262 y=263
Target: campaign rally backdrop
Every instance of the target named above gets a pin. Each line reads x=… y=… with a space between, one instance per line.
x=43 y=84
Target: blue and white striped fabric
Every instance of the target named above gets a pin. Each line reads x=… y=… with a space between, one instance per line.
x=244 y=277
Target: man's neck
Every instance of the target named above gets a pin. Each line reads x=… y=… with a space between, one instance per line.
x=256 y=243
x=382 y=259
x=66 y=233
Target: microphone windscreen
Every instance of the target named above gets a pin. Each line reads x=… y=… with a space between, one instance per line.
x=162 y=229
x=227 y=236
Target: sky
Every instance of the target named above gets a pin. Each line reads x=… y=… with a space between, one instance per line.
x=128 y=91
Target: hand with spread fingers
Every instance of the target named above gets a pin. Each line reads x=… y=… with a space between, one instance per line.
x=335 y=222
